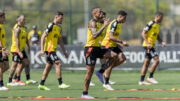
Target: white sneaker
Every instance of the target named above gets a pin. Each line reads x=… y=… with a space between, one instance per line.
x=31 y=82
x=92 y=84
x=144 y=83
x=87 y=97
x=107 y=86
x=20 y=83
x=152 y=80
x=111 y=82
x=63 y=86
x=4 y=88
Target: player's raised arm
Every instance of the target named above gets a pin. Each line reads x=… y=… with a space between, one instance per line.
x=94 y=31
x=93 y=26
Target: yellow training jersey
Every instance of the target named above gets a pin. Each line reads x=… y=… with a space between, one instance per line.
x=32 y=32
x=2 y=35
x=22 y=38
x=53 y=34
x=115 y=28
x=94 y=42
x=152 y=32
x=102 y=35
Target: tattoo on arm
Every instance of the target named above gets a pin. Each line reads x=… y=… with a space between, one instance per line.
x=94 y=31
x=17 y=31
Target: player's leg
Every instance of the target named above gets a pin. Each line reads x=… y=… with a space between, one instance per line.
x=44 y=76
x=27 y=72
x=18 y=73
x=89 y=73
x=90 y=56
x=100 y=72
x=152 y=70
x=143 y=71
x=121 y=58
x=5 y=64
x=12 y=70
x=1 y=77
x=108 y=58
x=2 y=87
x=58 y=73
x=117 y=61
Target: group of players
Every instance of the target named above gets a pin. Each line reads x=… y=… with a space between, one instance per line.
x=102 y=42
x=19 y=57
x=49 y=40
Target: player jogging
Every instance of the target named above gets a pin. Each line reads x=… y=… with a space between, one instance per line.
x=111 y=43
x=150 y=34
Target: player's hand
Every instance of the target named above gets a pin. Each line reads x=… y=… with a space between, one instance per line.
x=125 y=44
x=106 y=22
x=66 y=54
x=163 y=44
x=7 y=52
x=149 y=46
x=42 y=53
x=20 y=54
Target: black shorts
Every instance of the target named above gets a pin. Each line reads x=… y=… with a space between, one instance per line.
x=92 y=53
x=1 y=58
x=150 y=53
x=17 y=58
x=51 y=57
x=117 y=50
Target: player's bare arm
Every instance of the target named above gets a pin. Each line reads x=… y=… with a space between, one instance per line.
x=42 y=43
x=17 y=31
x=111 y=36
x=62 y=47
x=94 y=29
x=144 y=38
x=161 y=41
x=27 y=43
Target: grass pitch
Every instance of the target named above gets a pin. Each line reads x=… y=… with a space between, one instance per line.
x=124 y=80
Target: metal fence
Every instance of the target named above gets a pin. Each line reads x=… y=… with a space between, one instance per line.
x=78 y=12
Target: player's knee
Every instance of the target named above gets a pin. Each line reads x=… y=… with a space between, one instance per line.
x=58 y=63
x=157 y=61
x=123 y=59
x=114 y=55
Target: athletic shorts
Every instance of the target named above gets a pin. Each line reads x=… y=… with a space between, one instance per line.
x=92 y=53
x=51 y=57
x=150 y=53
x=117 y=50
x=17 y=58
x=1 y=58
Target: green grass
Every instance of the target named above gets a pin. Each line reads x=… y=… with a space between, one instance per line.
x=125 y=80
